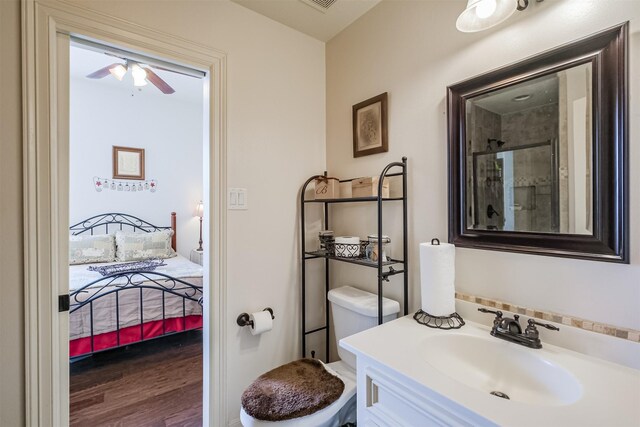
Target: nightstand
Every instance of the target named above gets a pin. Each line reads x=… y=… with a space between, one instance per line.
x=196 y=256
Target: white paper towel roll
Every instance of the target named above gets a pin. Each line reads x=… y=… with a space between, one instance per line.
x=262 y=322
x=437 y=278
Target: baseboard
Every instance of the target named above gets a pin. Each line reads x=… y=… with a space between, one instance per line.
x=235 y=423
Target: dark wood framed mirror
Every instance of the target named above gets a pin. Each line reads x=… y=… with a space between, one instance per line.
x=538 y=153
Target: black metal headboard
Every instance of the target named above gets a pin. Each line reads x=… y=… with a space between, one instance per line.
x=120 y=221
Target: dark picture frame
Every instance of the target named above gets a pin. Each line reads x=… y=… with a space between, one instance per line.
x=370 y=126
x=128 y=163
x=608 y=55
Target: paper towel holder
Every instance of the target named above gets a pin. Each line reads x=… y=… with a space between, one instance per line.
x=452 y=321
x=244 y=319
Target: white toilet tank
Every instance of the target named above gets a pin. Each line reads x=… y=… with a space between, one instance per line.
x=354 y=311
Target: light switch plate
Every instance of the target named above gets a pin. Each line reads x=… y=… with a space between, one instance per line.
x=237 y=199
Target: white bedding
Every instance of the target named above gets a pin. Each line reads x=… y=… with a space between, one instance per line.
x=178 y=266
x=104 y=309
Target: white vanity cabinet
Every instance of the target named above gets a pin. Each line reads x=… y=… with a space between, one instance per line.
x=386 y=398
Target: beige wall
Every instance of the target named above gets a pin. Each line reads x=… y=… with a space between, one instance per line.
x=11 y=314
x=276 y=139
x=412 y=50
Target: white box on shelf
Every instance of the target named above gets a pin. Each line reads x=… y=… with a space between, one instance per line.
x=368 y=187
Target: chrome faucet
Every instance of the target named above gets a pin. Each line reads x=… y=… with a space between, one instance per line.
x=510 y=330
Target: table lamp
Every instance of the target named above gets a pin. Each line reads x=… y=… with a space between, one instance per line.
x=200 y=214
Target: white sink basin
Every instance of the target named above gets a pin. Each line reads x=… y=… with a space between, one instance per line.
x=552 y=386
x=493 y=365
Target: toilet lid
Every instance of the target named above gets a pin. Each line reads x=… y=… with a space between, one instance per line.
x=291 y=391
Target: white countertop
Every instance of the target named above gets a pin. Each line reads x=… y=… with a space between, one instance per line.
x=610 y=392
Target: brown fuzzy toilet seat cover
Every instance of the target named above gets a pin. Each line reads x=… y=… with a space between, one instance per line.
x=290 y=391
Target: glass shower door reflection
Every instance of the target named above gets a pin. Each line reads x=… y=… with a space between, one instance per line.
x=516 y=189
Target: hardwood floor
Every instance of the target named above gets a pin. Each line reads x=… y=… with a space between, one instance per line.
x=158 y=383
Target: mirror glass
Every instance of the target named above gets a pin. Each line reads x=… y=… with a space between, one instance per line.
x=529 y=155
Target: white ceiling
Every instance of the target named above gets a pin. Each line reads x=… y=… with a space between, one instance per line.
x=543 y=91
x=322 y=24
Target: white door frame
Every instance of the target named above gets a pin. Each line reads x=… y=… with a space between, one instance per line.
x=46 y=23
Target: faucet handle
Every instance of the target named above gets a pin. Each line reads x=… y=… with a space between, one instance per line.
x=486 y=310
x=544 y=325
x=498 y=314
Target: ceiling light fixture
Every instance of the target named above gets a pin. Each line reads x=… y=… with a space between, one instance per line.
x=480 y=15
x=139 y=76
x=118 y=71
x=486 y=8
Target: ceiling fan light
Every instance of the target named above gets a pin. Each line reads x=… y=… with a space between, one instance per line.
x=483 y=14
x=118 y=71
x=138 y=82
x=139 y=75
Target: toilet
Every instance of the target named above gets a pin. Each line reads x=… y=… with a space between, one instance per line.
x=353 y=311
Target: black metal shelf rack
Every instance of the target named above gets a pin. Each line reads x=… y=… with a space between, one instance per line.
x=385 y=268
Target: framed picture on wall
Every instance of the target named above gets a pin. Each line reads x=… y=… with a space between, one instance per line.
x=370 y=126
x=128 y=163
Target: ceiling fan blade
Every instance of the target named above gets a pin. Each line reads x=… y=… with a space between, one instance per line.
x=103 y=72
x=158 y=82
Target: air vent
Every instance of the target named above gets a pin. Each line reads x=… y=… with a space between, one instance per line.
x=320 y=5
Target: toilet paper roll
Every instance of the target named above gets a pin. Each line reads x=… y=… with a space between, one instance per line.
x=262 y=322
x=437 y=278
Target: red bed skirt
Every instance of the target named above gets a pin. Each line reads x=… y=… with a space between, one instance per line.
x=133 y=334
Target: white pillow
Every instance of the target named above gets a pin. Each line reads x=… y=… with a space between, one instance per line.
x=87 y=249
x=140 y=246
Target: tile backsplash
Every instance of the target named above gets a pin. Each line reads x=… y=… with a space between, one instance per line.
x=601 y=328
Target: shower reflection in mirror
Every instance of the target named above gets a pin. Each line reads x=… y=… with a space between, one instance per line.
x=529 y=156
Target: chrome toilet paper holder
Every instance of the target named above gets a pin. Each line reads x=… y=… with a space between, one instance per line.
x=244 y=319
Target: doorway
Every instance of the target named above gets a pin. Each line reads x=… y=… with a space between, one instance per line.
x=47 y=34
x=135 y=253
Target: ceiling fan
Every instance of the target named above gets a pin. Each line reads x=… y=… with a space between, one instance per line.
x=141 y=75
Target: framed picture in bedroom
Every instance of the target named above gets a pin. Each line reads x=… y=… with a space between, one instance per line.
x=370 y=126
x=128 y=163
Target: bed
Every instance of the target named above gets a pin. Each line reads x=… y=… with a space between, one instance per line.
x=120 y=308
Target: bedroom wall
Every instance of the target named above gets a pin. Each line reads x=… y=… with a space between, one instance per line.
x=11 y=259
x=168 y=127
x=413 y=51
